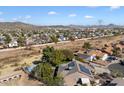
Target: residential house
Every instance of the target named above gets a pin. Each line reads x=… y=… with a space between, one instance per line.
x=29 y=41
x=86 y=57
x=75 y=73
x=13 y=43
x=61 y=38
x=98 y=53
x=108 y=49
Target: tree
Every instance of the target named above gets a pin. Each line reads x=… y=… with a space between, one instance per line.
x=57 y=81
x=44 y=73
x=57 y=58
x=71 y=38
x=52 y=56
x=21 y=41
x=68 y=54
x=7 y=38
x=66 y=34
x=86 y=45
x=54 y=39
x=47 y=54
x=116 y=51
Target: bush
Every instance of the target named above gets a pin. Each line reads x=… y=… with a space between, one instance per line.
x=53 y=81
x=86 y=45
x=72 y=38
x=97 y=57
x=68 y=54
x=14 y=65
x=79 y=59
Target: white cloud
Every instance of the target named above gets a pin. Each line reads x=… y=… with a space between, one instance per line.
x=114 y=7
x=27 y=17
x=15 y=19
x=88 y=17
x=1 y=19
x=21 y=18
x=1 y=13
x=72 y=15
x=52 y=13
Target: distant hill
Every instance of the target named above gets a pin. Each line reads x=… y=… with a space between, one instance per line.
x=20 y=26
x=12 y=26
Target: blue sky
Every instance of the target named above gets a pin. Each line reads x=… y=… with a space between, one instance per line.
x=63 y=15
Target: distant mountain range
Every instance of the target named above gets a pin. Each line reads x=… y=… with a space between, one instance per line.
x=9 y=26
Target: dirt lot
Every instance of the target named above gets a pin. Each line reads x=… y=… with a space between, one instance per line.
x=9 y=61
x=22 y=81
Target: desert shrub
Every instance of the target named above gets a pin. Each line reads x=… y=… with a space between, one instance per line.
x=97 y=57
x=14 y=65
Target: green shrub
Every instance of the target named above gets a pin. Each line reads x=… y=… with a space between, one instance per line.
x=97 y=57
x=79 y=59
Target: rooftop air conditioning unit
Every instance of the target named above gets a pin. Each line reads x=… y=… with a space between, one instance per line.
x=69 y=68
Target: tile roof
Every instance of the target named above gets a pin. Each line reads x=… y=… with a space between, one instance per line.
x=96 y=52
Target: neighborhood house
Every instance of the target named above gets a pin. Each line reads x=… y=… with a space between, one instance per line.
x=75 y=73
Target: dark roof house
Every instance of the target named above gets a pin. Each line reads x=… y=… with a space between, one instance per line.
x=86 y=57
x=73 y=71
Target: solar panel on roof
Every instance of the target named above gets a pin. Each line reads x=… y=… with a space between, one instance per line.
x=30 y=68
x=84 y=69
x=71 y=64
